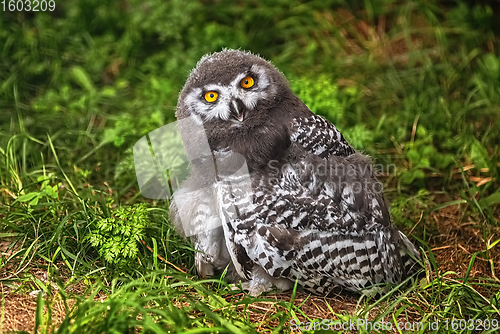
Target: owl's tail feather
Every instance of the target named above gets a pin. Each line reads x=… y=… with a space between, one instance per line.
x=410 y=256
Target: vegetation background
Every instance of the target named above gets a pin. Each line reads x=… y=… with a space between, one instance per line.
x=412 y=83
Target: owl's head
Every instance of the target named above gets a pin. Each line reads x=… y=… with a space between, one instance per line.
x=231 y=87
x=245 y=104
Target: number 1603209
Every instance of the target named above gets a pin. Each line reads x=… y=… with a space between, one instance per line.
x=28 y=5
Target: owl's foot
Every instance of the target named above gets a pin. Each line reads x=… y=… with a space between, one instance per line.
x=261 y=282
x=254 y=289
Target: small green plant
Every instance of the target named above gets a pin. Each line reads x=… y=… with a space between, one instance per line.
x=46 y=191
x=116 y=237
x=421 y=156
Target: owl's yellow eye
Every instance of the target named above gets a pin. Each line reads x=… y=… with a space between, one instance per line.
x=247 y=82
x=211 y=96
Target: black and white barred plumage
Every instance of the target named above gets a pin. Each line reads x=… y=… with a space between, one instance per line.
x=307 y=207
x=319 y=137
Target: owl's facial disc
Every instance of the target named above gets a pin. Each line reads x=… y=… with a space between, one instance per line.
x=233 y=99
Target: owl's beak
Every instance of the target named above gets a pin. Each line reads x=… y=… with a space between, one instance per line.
x=237 y=108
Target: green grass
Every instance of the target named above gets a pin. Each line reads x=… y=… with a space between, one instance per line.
x=414 y=84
